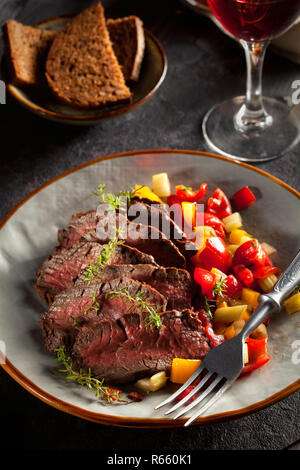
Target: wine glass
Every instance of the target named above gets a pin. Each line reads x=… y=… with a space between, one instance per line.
x=253 y=128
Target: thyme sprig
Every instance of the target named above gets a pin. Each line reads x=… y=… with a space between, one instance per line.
x=85 y=379
x=94 y=306
x=114 y=202
x=219 y=288
x=139 y=301
x=217 y=291
x=104 y=258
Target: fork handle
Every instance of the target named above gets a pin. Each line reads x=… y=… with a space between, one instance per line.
x=271 y=302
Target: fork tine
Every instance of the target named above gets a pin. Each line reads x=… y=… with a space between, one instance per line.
x=210 y=402
x=200 y=398
x=183 y=387
x=192 y=393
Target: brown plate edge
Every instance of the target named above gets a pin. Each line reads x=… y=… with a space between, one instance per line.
x=142 y=422
x=87 y=119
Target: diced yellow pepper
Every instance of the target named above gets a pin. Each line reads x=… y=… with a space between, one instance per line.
x=292 y=305
x=189 y=214
x=236 y=235
x=250 y=297
x=146 y=193
x=229 y=332
x=182 y=369
x=232 y=249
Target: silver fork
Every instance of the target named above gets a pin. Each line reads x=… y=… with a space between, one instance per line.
x=224 y=363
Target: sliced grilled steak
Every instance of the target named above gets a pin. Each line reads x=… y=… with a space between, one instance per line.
x=174 y=284
x=156 y=216
x=58 y=272
x=145 y=238
x=124 y=350
x=82 y=305
x=162 y=228
x=78 y=225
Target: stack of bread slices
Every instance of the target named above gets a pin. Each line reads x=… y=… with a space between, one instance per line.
x=89 y=64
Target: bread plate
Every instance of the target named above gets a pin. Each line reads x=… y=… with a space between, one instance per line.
x=29 y=232
x=44 y=104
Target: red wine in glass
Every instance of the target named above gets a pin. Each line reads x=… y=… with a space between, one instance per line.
x=255 y=20
x=253 y=128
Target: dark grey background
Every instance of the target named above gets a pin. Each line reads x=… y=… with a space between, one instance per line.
x=205 y=67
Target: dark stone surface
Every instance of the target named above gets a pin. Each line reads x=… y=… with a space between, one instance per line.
x=205 y=66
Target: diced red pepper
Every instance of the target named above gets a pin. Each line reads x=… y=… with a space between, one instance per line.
x=251 y=253
x=213 y=221
x=243 y=198
x=219 y=204
x=185 y=393
x=214 y=339
x=188 y=195
x=244 y=275
x=175 y=204
x=232 y=286
x=206 y=280
x=214 y=255
x=255 y=365
x=264 y=271
x=257 y=352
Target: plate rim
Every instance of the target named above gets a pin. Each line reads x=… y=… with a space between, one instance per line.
x=85 y=118
x=136 y=422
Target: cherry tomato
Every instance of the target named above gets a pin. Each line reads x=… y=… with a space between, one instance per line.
x=214 y=255
x=251 y=253
x=213 y=221
x=219 y=204
x=243 y=198
x=206 y=280
x=233 y=286
x=244 y=275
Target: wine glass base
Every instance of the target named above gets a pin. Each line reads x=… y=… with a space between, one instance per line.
x=258 y=145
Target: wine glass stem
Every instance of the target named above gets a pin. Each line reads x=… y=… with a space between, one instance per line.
x=252 y=115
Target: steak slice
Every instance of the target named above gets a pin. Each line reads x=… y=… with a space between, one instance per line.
x=173 y=283
x=78 y=225
x=58 y=272
x=157 y=216
x=125 y=350
x=161 y=226
x=145 y=238
x=82 y=305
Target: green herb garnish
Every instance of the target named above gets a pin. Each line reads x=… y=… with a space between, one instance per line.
x=114 y=202
x=104 y=392
x=104 y=258
x=219 y=288
x=94 y=305
x=139 y=301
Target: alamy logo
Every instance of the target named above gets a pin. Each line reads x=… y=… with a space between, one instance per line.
x=296 y=93
x=296 y=353
x=2 y=92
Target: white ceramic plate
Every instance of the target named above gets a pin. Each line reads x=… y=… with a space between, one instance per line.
x=29 y=233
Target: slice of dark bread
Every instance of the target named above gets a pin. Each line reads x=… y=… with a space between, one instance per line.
x=26 y=52
x=81 y=68
x=128 y=39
